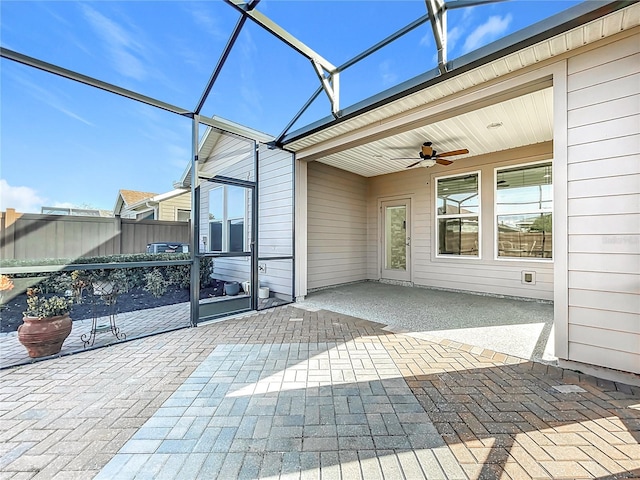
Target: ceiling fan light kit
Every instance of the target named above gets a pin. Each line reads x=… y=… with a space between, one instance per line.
x=427 y=162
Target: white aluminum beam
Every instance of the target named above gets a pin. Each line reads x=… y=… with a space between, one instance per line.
x=272 y=27
x=438 y=16
x=93 y=82
x=330 y=83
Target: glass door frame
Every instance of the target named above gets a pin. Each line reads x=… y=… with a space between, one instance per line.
x=253 y=243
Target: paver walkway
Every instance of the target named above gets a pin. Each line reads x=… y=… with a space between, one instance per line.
x=290 y=393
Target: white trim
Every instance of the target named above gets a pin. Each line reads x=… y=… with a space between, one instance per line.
x=436 y=217
x=495 y=213
x=301 y=229
x=560 y=210
x=406 y=201
x=160 y=197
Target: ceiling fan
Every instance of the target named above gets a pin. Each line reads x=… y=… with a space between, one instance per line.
x=429 y=157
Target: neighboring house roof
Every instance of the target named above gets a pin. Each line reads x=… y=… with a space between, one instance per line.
x=127 y=198
x=83 y=212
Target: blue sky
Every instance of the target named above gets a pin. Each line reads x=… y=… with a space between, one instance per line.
x=66 y=144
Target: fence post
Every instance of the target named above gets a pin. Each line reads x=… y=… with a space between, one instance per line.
x=117 y=224
x=8 y=233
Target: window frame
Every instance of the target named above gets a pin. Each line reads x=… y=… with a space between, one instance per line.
x=438 y=216
x=226 y=220
x=496 y=214
x=182 y=210
x=143 y=214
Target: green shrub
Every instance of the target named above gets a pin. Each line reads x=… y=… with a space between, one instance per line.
x=155 y=283
x=79 y=280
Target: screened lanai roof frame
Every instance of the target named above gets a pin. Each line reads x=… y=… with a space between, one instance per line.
x=329 y=74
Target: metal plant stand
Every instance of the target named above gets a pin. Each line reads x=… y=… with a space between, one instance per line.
x=108 y=292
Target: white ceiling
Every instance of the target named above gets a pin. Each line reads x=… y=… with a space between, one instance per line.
x=525 y=120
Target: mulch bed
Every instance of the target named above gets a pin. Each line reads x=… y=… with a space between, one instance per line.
x=136 y=299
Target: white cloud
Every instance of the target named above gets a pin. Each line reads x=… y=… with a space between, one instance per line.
x=123 y=48
x=249 y=83
x=425 y=41
x=49 y=96
x=487 y=32
x=389 y=77
x=22 y=199
x=205 y=18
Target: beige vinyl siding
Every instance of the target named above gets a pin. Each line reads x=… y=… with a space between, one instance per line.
x=275 y=230
x=337 y=226
x=604 y=205
x=485 y=274
x=168 y=209
x=233 y=157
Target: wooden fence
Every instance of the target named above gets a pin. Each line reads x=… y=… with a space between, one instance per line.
x=31 y=236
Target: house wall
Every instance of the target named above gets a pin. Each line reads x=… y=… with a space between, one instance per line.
x=485 y=274
x=336 y=226
x=168 y=209
x=276 y=219
x=603 y=189
x=233 y=157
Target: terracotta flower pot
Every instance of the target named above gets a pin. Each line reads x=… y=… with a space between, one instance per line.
x=44 y=336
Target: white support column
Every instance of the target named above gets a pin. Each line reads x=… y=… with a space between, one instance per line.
x=300 y=281
x=560 y=212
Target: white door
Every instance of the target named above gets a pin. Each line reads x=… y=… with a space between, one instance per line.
x=396 y=240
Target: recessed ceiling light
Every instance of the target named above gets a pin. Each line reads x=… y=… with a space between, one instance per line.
x=493 y=125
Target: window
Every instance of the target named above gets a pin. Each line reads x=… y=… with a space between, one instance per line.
x=524 y=211
x=458 y=215
x=146 y=215
x=227 y=211
x=183 y=215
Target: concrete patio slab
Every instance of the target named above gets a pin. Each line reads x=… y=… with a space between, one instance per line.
x=515 y=327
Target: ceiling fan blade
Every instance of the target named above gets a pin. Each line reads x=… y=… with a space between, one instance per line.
x=454 y=152
x=414 y=164
x=442 y=161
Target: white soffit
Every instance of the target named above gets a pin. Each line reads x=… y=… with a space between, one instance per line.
x=598 y=29
x=526 y=120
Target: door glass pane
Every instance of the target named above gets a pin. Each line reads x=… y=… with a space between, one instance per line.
x=396 y=238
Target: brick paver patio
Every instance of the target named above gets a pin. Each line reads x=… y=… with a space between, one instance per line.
x=290 y=393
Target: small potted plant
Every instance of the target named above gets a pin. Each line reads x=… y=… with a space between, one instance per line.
x=46 y=324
